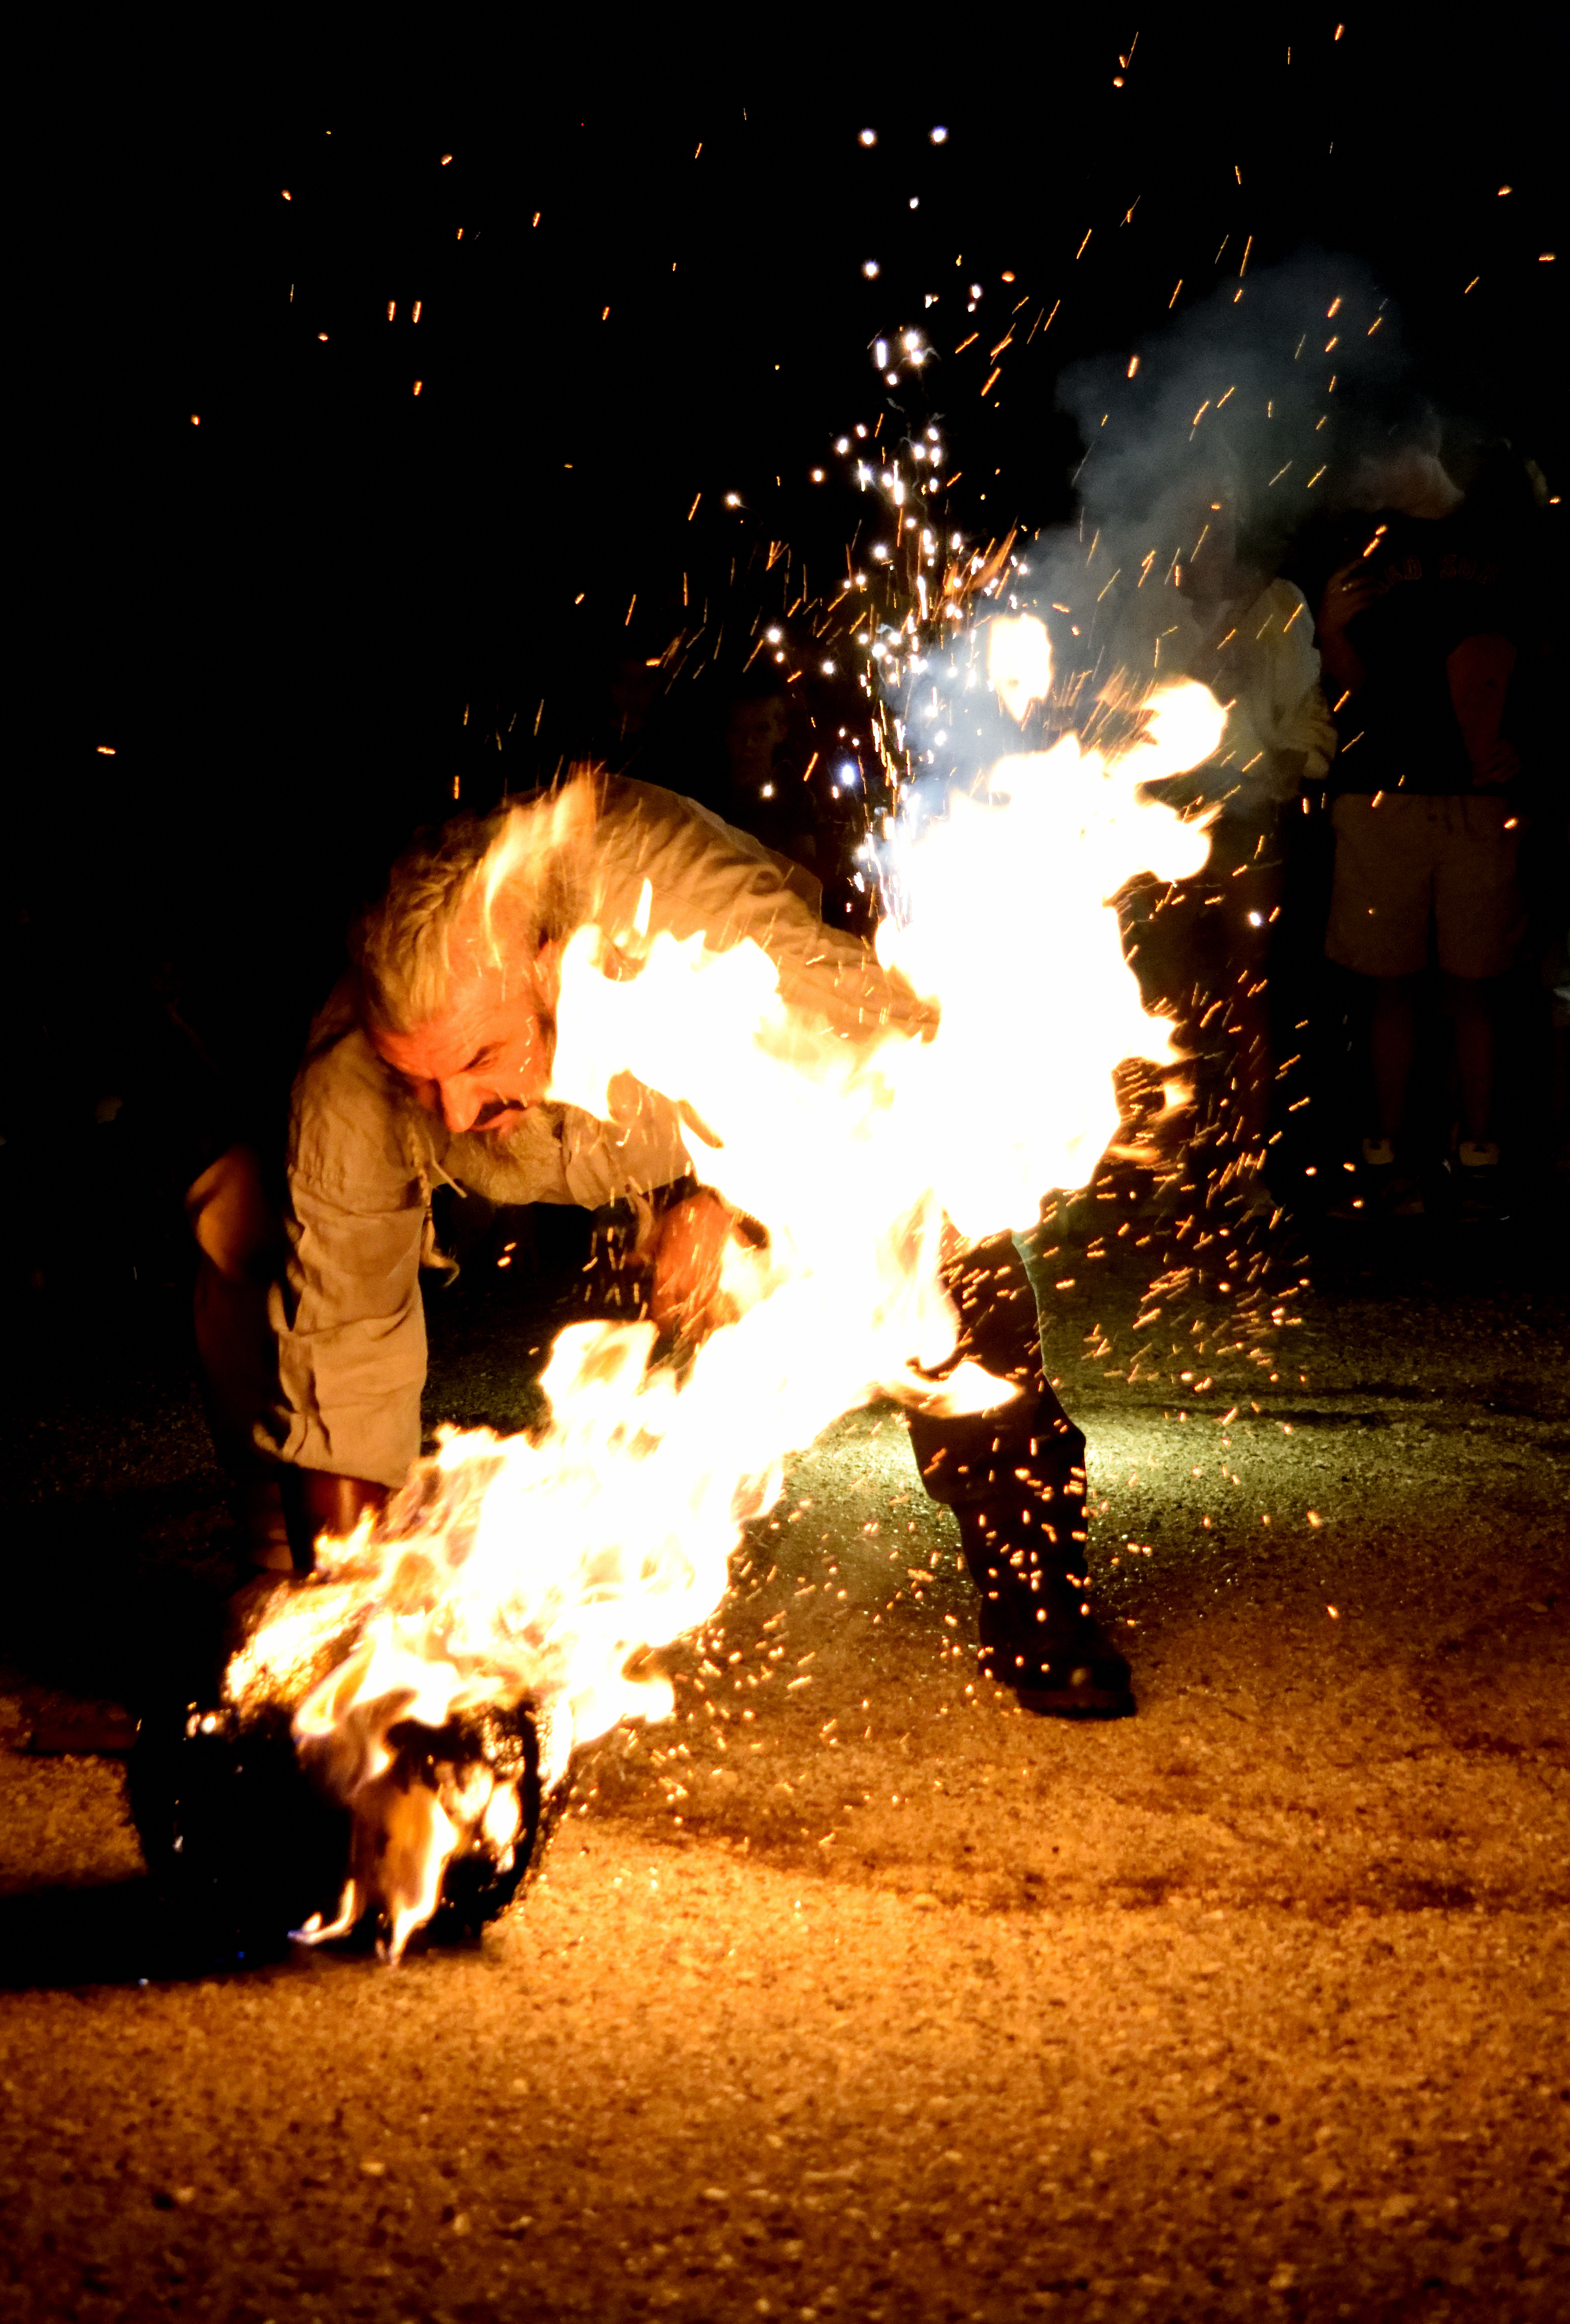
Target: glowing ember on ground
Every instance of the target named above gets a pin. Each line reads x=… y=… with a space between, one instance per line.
x=541 y=1571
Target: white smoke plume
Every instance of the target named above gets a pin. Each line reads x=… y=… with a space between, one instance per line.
x=1250 y=408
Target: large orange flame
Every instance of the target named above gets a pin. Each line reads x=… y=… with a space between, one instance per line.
x=541 y=1571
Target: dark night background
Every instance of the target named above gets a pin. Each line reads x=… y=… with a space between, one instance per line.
x=299 y=624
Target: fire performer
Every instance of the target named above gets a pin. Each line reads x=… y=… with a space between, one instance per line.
x=431 y=1063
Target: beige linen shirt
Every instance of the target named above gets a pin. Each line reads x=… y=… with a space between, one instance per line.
x=363 y=1157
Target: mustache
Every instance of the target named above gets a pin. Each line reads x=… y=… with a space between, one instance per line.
x=496 y=1110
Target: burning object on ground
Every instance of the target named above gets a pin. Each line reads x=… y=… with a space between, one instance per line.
x=251 y=1843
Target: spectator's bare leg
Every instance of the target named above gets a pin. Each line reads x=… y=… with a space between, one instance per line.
x=1392 y=1040
x=1466 y=1001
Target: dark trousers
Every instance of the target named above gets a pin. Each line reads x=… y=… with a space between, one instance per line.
x=1014 y=1478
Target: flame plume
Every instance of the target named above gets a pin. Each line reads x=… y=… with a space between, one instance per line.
x=542 y=1570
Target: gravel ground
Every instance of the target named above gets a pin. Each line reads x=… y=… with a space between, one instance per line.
x=850 y=1991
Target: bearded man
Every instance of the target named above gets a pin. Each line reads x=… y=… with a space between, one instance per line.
x=431 y=1063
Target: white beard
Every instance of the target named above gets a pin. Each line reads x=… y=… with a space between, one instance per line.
x=521 y=1164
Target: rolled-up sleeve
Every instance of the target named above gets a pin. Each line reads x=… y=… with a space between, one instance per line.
x=348 y=1318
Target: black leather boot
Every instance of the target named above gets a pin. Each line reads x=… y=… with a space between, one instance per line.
x=1038 y=1634
x=1014 y=1478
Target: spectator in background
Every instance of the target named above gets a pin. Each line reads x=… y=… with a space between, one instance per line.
x=1250 y=640
x=633 y=694
x=761 y=781
x=1418 y=629
x=783 y=775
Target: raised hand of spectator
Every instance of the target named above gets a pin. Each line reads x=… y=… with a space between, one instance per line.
x=1350 y=590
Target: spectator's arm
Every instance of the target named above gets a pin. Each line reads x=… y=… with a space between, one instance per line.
x=1479 y=673
x=1287 y=770
x=1304 y=732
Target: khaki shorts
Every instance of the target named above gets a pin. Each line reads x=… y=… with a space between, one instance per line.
x=1403 y=861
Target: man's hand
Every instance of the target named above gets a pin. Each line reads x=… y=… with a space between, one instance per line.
x=1351 y=589
x=686 y=1250
x=1497 y=763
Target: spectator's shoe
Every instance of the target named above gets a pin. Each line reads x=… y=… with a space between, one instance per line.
x=1074 y=1672
x=1479 y=1182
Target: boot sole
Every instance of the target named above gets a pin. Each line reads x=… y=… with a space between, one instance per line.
x=1075 y=1703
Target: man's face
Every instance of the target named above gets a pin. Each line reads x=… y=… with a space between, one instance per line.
x=753 y=733
x=487 y=1057
x=1208 y=571
x=1404 y=479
